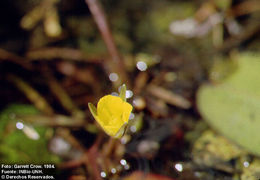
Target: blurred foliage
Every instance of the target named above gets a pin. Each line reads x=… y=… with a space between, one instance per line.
x=214 y=150
x=15 y=146
x=252 y=172
x=154 y=27
x=232 y=107
x=146 y=176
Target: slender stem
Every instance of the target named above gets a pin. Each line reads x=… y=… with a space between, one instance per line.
x=8 y=56
x=92 y=157
x=50 y=53
x=37 y=99
x=62 y=95
x=101 y=21
x=168 y=96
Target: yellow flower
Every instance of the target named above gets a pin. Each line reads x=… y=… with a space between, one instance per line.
x=112 y=113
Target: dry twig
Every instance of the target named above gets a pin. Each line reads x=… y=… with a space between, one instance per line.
x=37 y=99
x=168 y=96
x=5 y=55
x=63 y=96
x=101 y=21
x=234 y=41
x=53 y=121
x=61 y=53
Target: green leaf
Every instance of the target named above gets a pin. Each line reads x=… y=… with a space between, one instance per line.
x=15 y=146
x=92 y=109
x=233 y=106
x=122 y=93
x=121 y=131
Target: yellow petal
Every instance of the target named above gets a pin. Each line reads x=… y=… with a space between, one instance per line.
x=112 y=113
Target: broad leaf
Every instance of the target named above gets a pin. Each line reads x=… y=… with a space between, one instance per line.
x=233 y=106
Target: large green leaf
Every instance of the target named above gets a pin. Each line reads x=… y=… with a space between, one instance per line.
x=233 y=106
x=15 y=146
